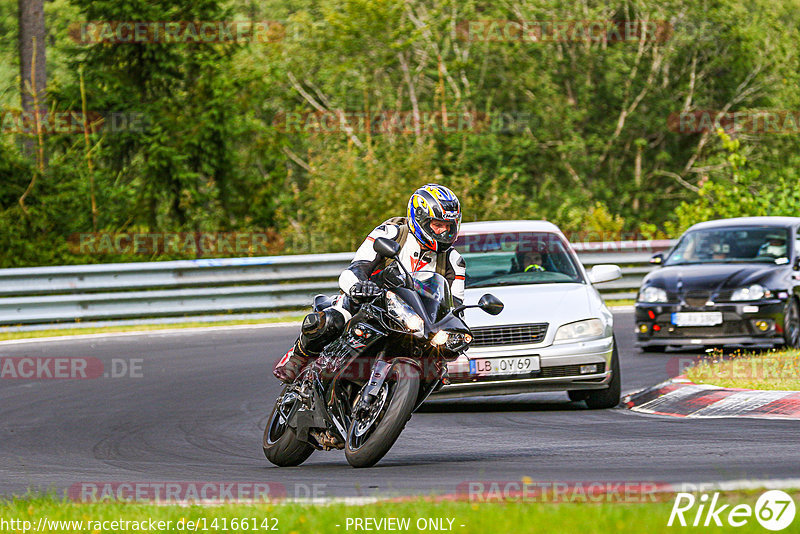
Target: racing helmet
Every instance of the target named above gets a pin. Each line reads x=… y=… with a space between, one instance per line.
x=429 y=203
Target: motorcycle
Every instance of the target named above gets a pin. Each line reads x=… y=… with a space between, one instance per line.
x=360 y=392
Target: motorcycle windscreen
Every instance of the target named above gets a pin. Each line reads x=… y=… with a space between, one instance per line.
x=434 y=292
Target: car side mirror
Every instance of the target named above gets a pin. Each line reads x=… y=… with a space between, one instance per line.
x=490 y=304
x=657 y=259
x=604 y=273
x=387 y=248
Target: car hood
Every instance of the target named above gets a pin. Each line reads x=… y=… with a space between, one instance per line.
x=710 y=277
x=535 y=303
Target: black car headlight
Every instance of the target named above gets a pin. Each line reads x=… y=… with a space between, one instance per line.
x=753 y=292
x=652 y=294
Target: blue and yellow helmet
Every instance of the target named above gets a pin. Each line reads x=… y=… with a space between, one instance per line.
x=431 y=203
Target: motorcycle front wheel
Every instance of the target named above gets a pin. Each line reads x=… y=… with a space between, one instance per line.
x=370 y=437
x=280 y=443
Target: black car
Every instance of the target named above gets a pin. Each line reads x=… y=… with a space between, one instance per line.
x=726 y=282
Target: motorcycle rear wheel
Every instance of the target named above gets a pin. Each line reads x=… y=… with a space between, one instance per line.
x=369 y=441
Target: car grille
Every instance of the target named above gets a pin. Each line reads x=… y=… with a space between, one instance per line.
x=515 y=334
x=567 y=370
x=696 y=299
x=727 y=328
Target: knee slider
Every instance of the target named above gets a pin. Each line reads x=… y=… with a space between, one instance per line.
x=323 y=326
x=313 y=325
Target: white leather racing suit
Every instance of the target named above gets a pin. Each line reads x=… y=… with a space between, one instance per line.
x=413 y=258
x=320 y=327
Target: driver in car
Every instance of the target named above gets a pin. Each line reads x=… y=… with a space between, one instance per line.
x=774 y=247
x=532 y=262
x=433 y=219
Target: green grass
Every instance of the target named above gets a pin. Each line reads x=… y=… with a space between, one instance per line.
x=621 y=302
x=773 y=370
x=140 y=328
x=512 y=517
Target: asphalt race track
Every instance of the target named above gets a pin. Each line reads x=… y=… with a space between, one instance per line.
x=196 y=409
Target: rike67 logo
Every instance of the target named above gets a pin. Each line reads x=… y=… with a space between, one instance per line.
x=774 y=510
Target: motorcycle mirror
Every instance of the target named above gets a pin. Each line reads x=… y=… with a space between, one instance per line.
x=393 y=276
x=490 y=304
x=386 y=247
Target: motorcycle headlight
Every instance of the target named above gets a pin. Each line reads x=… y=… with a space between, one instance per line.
x=403 y=314
x=588 y=329
x=453 y=341
x=754 y=292
x=652 y=294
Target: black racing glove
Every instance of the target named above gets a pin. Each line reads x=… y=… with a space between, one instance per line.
x=364 y=290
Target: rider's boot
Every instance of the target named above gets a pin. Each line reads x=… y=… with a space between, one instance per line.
x=319 y=329
x=288 y=367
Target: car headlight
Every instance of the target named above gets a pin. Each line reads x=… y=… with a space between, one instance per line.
x=451 y=340
x=588 y=329
x=652 y=294
x=754 y=292
x=403 y=314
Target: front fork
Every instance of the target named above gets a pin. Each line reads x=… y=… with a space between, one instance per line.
x=383 y=367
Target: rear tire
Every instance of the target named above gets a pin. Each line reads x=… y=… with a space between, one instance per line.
x=280 y=443
x=609 y=397
x=403 y=393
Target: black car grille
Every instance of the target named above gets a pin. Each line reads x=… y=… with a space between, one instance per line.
x=567 y=370
x=515 y=334
x=696 y=299
x=727 y=328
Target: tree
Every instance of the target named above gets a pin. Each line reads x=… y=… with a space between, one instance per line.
x=32 y=66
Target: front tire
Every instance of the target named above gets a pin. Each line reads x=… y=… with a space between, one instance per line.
x=368 y=442
x=280 y=443
x=609 y=397
x=791 y=325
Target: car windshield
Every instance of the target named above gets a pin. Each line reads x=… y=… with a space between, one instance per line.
x=517 y=258
x=731 y=245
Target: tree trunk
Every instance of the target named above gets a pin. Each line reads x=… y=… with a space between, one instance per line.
x=33 y=74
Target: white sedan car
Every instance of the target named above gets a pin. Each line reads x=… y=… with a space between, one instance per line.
x=555 y=332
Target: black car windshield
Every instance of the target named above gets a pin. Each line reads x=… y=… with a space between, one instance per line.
x=730 y=245
x=517 y=258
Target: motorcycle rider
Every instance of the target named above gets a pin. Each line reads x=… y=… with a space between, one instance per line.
x=433 y=218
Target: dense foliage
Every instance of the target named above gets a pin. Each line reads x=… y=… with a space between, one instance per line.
x=269 y=136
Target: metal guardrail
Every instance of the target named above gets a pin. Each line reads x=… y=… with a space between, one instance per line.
x=195 y=287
